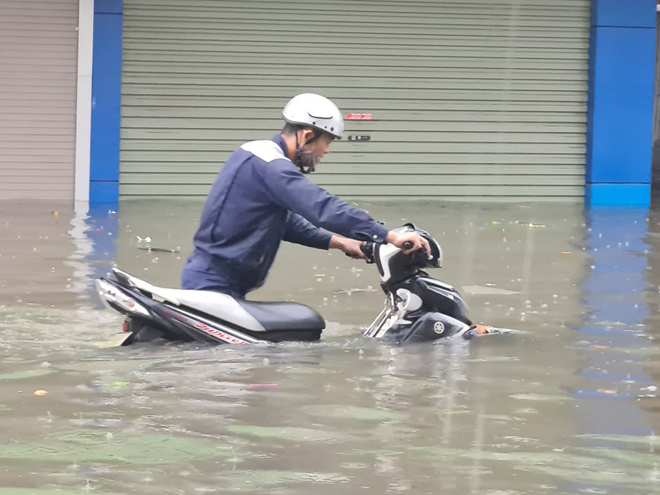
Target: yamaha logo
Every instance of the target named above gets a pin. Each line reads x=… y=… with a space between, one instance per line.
x=439 y=327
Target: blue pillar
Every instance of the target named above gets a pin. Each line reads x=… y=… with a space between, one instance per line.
x=106 y=101
x=621 y=96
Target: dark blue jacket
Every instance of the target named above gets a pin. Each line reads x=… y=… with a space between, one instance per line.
x=259 y=199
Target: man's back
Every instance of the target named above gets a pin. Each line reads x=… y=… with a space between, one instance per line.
x=241 y=228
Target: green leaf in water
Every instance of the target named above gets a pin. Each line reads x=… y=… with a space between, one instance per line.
x=500 y=417
x=377 y=453
x=286 y=433
x=24 y=375
x=360 y=413
x=601 y=467
x=542 y=397
x=624 y=457
x=600 y=476
x=455 y=411
x=88 y=446
x=36 y=491
x=519 y=459
x=252 y=480
x=101 y=414
x=125 y=366
x=637 y=440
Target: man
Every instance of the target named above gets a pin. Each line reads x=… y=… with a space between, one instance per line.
x=262 y=197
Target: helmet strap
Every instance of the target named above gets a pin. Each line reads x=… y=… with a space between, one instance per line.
x=299 y=155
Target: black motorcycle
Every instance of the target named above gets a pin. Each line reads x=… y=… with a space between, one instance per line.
x=418 y=308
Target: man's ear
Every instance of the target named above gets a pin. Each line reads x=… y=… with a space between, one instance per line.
x=306 y=135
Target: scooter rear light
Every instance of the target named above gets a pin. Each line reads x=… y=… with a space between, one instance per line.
x=124 y=327
x=110 y=294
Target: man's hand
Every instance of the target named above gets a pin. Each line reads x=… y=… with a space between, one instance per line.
x=483 y=330
x=349 y=246
x=400 y=238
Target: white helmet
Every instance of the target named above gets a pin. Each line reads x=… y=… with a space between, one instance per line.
x=315 y=111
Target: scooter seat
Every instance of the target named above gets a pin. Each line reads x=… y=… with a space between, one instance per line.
x=252 y=316
x=282 y=316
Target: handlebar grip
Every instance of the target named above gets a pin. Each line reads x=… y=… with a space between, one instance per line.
x=368 y=249
x=408 y=245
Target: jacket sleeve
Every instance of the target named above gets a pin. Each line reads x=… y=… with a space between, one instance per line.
x=300 y=231
x=290 y=189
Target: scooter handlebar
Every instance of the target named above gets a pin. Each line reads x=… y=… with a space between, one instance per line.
x=368 y=250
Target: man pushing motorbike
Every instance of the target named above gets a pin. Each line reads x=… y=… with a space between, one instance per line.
x=262 y=197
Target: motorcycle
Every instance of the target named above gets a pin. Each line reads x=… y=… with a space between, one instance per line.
x=418 y=308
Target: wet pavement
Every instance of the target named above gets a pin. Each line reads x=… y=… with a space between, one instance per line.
x=565 y=405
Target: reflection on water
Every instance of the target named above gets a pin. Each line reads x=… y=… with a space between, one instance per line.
x=566 y=405
x=614 y=329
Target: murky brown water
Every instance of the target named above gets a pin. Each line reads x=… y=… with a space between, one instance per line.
x=567 y=405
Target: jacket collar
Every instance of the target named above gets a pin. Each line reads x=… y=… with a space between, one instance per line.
x=279 y=140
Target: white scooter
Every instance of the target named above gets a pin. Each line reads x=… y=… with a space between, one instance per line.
x=418 y=308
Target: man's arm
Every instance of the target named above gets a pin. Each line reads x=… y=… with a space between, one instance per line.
x=300 y=231
x=289 y=188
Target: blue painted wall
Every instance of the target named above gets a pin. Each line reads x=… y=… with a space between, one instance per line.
x=621 y=97
x=106 y=101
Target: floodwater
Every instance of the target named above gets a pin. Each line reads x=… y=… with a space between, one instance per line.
x=565 y=405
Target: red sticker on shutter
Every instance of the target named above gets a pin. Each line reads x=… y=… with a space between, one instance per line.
x=359 y=116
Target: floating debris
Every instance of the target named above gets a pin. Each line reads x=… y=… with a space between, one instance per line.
x=351 y=291
x=477 y=290
x=530 y=224
x=158 y=250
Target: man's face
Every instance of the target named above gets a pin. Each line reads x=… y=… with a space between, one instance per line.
x=319 y=148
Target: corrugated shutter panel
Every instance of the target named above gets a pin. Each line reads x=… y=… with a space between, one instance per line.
x=38 y=77
x=470 y=99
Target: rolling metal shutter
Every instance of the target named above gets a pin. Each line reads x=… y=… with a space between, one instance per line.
x=471 y=99
x=38 y=77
